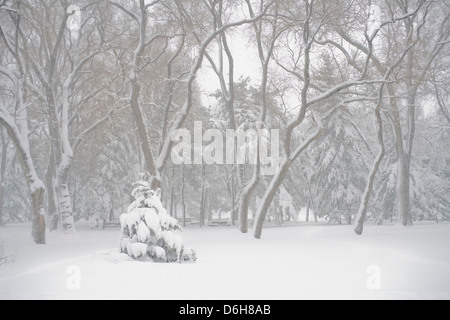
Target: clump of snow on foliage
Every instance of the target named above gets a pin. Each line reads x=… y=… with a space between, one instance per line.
x=125 y=244
x=155 y=202
x=169 y=239
x=139 y=250
x=178 y=243
x=143 y=232
x=152 y=221
x=158 y=254
x=133 y=221
x=147 y=231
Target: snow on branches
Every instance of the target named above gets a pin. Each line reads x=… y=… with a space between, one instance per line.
x=148 y=232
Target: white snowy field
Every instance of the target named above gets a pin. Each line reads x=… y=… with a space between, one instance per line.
x=297 y=262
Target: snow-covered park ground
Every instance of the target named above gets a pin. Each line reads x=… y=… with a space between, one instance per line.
x=295 y=262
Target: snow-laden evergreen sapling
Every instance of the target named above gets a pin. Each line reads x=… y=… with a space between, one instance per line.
x=148 y=232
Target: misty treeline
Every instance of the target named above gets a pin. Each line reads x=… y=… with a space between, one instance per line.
x=91 y=92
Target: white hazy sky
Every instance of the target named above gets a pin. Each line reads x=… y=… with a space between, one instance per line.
x=246 y=64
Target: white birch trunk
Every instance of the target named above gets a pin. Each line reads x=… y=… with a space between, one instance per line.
x=64 y=200
x=19 y=135
x=63 y=167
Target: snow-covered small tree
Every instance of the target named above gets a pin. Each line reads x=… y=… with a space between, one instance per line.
x=148 y=232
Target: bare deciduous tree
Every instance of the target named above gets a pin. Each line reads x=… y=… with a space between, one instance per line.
x=16 y=123
x=404 y=37
x=308 y=30
x=156 y=158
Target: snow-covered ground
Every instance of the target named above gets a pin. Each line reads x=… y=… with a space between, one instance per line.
x=298 y=262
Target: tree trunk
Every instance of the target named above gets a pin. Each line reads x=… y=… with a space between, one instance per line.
x=276 y=210
x=265 y=58
x=183 y=213
x=361 y=216
x=245 y=202
x=208 y=205
x=38 y=223
x=233 y=200
x=308 y=205
x=271 y=192
x=135 y=104
x=2 y=176
x=311 y=203
x=2 y=192
x=202 y=199
x=173 y=209
x=65 y=203
x=359 y=221
x=111 y=214
x=404 y=164
x=202 y=208
x=52 y=206
x=35 y=185
x=279 y=211
x=142 y=133
x=173 y=205
x=403 y=187
x=279 y=177
x=183 y=204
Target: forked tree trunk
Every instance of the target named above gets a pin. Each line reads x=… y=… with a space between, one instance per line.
x=265 y=59
x=362 y=212
x=142 y=134
x=278 y=179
